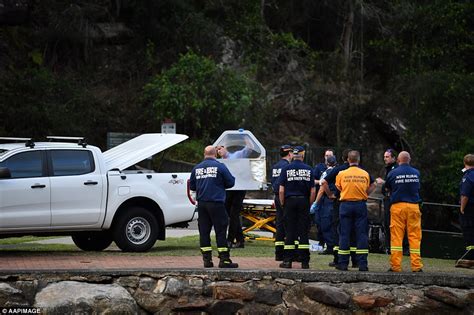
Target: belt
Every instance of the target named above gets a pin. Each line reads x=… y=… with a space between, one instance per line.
x=362 y=200
x=296 y=197
x=413 y=203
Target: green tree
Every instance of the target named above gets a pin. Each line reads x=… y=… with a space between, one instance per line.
x=201 y=96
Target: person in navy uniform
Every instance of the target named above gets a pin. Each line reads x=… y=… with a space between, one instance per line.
x=404 y=183
x=324 y=213
x=330 y=182
x=297 y=193
x=467 y=212
x=286 y=154
x=390 y=160
x=209 y=179
x=319 y=169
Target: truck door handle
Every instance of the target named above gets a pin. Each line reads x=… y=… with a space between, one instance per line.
x=174 y=175
x=90 y=183
x=38 y=186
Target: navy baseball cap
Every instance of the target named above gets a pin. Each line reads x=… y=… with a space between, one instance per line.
x=298 y=149
x=331 y=160
x=286 y=148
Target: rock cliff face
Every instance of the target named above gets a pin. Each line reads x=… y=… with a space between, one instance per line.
x=243 y=292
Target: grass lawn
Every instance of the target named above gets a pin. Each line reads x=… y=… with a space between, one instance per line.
x=23 y=239
x=189 y=246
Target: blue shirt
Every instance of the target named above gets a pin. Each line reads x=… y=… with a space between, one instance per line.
x=467 y=186
x=210 y=179
x=240 y=154
x=404 y=184
x=388 y=169
x=297 y=178
x=331 y=178
x=318 y=170
x=332 y=185
x=276 y=171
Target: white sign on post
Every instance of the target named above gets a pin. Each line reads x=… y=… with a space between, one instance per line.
x=168 y=127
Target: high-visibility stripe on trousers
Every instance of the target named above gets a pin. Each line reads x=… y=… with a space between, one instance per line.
x=280 y=228
x=212 y=214
x=405 y=216
x=353 y=217
x=296 y=227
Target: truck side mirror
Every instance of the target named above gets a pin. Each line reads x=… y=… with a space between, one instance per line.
x=5 y=173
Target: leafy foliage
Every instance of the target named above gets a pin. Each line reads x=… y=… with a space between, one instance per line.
x=200 y=96
x=424 y=63
x=39 y=104
x=292 y=77
x=447 y=175
x=190 y=151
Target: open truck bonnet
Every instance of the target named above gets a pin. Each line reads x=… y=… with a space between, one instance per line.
x=139 y=148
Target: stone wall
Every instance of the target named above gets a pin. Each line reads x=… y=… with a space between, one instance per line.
x=241 y=291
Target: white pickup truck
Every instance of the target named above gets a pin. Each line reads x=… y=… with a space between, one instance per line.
x=60 y=188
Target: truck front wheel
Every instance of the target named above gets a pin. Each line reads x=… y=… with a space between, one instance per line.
x=136 y=230
x=92 y=241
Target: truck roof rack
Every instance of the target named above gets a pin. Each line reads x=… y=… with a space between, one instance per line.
x=28 y=141
x=80 y=140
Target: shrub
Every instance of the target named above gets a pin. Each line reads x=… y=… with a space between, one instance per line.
x=202 y=97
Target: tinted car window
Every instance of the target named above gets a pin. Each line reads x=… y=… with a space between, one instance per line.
x=26 y=164
x=71 y=162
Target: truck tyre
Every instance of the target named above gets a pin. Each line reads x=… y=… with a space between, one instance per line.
x=135 y=230
x=92 y=241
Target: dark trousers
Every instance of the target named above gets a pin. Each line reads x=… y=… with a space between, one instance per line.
x=467 y=225
x=297 y=226
x=212 y=214
x=233 y=204
x=335 y=228
x=317 y=222
x=353 y=215
x=386 y=221
x=280 y=228
x=325 y=221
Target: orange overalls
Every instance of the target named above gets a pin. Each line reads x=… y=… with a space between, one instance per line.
x=404 y=185
x=405 y=216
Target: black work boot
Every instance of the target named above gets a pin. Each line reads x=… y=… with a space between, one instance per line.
x=335 y=260
x=279 y=256
x=225 y=261
x=207 y=258
x=286 y=264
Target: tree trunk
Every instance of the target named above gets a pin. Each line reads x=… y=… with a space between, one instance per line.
x=346 y=37
x=338 y=125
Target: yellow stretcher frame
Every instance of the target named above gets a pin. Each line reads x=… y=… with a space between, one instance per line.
x=262 y=213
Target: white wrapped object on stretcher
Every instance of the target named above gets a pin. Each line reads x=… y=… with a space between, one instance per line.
x=246 y=159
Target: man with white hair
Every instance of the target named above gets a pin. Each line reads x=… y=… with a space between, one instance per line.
x=404 y=185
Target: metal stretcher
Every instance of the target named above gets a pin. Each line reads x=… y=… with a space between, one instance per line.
x=262 y=213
